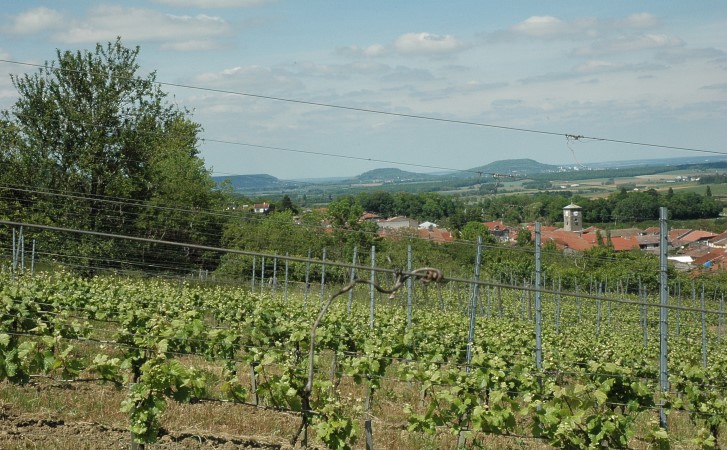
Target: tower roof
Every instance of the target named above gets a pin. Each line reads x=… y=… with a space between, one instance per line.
x=572 y=206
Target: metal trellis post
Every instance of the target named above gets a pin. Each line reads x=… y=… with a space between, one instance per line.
x=371 y=288
x=353 y=277
x=663 y=312
x=262 y=275
x=538 y=304
x=323 y=276
x=285 y=290
x=307 y=281
x=409 y=286
x=473 y=303
x=254 y=261
x=704 y=331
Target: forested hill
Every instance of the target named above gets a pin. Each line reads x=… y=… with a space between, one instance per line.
x=245 y=182
x=256 y=182
x=515 y=166
x=391 y=174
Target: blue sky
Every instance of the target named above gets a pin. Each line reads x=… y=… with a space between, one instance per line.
x=653 y=72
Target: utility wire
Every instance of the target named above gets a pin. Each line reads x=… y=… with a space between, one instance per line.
x=346 y=265
x=569 y=136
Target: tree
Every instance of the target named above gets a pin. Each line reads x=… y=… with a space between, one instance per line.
x=286 y=204
x=344 y=212
x=88 y=125
x=524 y=237
x=472 y=230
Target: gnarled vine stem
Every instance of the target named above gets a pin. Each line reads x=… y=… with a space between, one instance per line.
x=424 y=274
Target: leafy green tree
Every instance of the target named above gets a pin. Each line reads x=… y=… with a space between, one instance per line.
x=286 y=204
x=524 y=237
x=90 y=127
x=472 y=230
x=636 y=206
x=344 y=212
x=379 y=202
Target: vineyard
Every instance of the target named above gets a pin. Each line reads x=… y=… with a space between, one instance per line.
x=456 y=368
x=152 y=307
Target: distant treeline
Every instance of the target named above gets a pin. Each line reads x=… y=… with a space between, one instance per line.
x=717 y=178
x=547 y=207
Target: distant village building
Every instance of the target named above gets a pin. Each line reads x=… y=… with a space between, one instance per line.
x=370 y=217
x=438 y=235
x=573 y=218
x=398 y=222
x=499 y=230
x=261 y=208
x=696 y=249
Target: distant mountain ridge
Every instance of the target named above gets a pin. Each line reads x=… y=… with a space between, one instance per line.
x=515 y=166
x=256 y=182
x=266 y=182
x=392 y=174
x=519 y=167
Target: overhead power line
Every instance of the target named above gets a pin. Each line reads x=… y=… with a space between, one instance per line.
x=358 y=158
x=570 y=136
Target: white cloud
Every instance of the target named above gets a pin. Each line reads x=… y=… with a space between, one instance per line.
x=342 y=71
x=370 y=51
x=173 y=32
x=551 y=27
x=638 y=20
x=36 y=20
x=597 y=66
x=193 y=45
x=682 y=54
x=214 y=3
x=407 y=44
x=250 y=79
x=427 y=43
x=630 y=43
x=541 y=26
x=716 y=87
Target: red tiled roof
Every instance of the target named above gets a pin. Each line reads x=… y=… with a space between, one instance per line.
x=622 y=244
x=696 y=251
x=369 y=216
x=495 y=225
x=584 y=241
x=716 y=255
x=399 y=219
x=649 y=239
x=720 y=240
x=677 y=233
x=437 y=235
x=625 y=232
x=569 y=239
x=697 y=235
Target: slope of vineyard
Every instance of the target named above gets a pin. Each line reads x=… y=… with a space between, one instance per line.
x=163 y=348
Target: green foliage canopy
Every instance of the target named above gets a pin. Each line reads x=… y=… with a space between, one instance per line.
x=90 y=126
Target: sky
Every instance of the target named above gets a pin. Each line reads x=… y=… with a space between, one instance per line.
x=309 y=89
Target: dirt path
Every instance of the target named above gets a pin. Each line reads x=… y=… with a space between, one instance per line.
x=26 y=431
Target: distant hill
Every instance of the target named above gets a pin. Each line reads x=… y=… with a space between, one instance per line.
x=512 y=167
x=392 y=175
x=257 y=182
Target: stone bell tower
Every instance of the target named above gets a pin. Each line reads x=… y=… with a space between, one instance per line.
x=573 y=218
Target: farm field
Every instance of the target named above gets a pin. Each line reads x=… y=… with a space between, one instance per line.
x=187 y=366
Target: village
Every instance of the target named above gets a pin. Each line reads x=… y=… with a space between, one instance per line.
x=689 y=249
